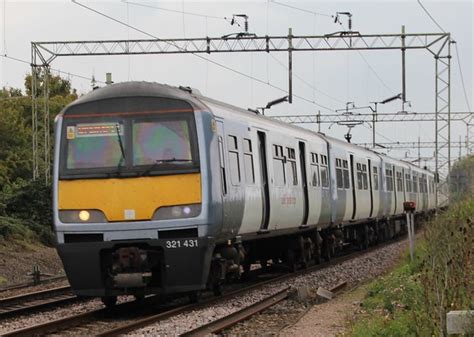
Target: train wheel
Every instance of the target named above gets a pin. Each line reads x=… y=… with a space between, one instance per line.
x=291 y=260
x=317 y=248
x=364 y=237
x=327 y=247
x=109 y=301
x=307 y=253
x=246 y=271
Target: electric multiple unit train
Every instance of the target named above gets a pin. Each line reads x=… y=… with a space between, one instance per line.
x=158 y=189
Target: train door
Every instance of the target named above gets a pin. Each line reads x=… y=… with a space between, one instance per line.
x=395 y=187
x=354 y=209
x=262 y=154
x=404 y=186
x=223 y=170
x=304 y=181
x=370 y=188
x=220 y=140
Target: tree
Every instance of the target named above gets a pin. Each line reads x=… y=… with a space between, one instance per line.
x=15 y=124
x=10 y=92
x=58 y=86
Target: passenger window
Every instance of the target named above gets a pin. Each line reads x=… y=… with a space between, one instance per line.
x=399 y=181
x=359 y=176
x=324 y=171
x=389 y=179
x=376 y=178
x=362 y=177
x=365 y=183
x=292 y=163
x=222 y=165
x=324 y=176
x=315 y=178
x=345 y=171
x=407 y=183
x=234 y=160
x=339 y=174
x=279 y=165
x=248 y=162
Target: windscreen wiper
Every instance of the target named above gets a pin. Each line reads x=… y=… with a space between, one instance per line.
x=162 y=161
x=122 y=159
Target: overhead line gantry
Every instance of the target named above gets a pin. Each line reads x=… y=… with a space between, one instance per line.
x=437 y=44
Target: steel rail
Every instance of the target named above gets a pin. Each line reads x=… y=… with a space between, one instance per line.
x=35 y=300
x=128 y=327
x=76 y=320
x=236 y=317
x=67 y=322
x=32 y=284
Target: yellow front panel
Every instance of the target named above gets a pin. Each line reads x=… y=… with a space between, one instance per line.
x=143 y=195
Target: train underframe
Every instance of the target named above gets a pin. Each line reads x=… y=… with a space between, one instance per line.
x=140 y=267
x=233 y=262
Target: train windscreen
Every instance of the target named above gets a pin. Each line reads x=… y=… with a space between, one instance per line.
x=147 y=144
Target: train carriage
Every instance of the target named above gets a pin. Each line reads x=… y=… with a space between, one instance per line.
x=158 y=189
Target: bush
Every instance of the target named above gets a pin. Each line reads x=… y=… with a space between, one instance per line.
x=26 y=212
x=413 y=299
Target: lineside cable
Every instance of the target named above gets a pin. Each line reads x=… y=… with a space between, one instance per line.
x=199 y=56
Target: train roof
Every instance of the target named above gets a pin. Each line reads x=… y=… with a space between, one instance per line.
x=194 y=97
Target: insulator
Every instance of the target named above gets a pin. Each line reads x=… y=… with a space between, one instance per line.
x=246 y=26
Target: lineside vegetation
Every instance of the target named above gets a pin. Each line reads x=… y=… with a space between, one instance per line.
x=25 y=206
x=414 y=298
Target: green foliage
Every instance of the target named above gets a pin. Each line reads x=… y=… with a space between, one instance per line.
x=448 y=269
x=15 y=140
x=413 y=299
x=28 y=200
x=57 y=86
x=462 y=178
x=25 y=206
x=25 y=212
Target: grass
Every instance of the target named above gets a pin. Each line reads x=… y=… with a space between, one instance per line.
x=414 y=298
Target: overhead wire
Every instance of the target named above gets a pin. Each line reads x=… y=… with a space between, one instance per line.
x=184 y=23
x=457 y=52
x=5 y=27
x=374 y=71
x=430 y=16
x=358 y=51
x=301 y=9
x=197 y=55
x=462 y=78
x=176 y=11
x=306 y=82
x=53 y=69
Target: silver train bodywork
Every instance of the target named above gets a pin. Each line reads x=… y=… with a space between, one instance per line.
x=269 y=191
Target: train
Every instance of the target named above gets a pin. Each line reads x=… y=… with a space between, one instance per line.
x=160 y=190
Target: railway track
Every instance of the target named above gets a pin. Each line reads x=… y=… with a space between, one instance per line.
x=130 y=316
x=236 y=317
x=33 y=284
x=35 y=300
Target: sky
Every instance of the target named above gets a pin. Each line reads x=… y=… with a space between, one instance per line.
x=328 y=78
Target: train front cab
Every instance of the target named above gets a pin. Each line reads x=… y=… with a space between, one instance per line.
x=131 y=199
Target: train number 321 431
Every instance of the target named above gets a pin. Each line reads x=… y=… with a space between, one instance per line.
x=190 y=243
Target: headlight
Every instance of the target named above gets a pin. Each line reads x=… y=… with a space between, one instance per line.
x=177 y=212
x=85 y=215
